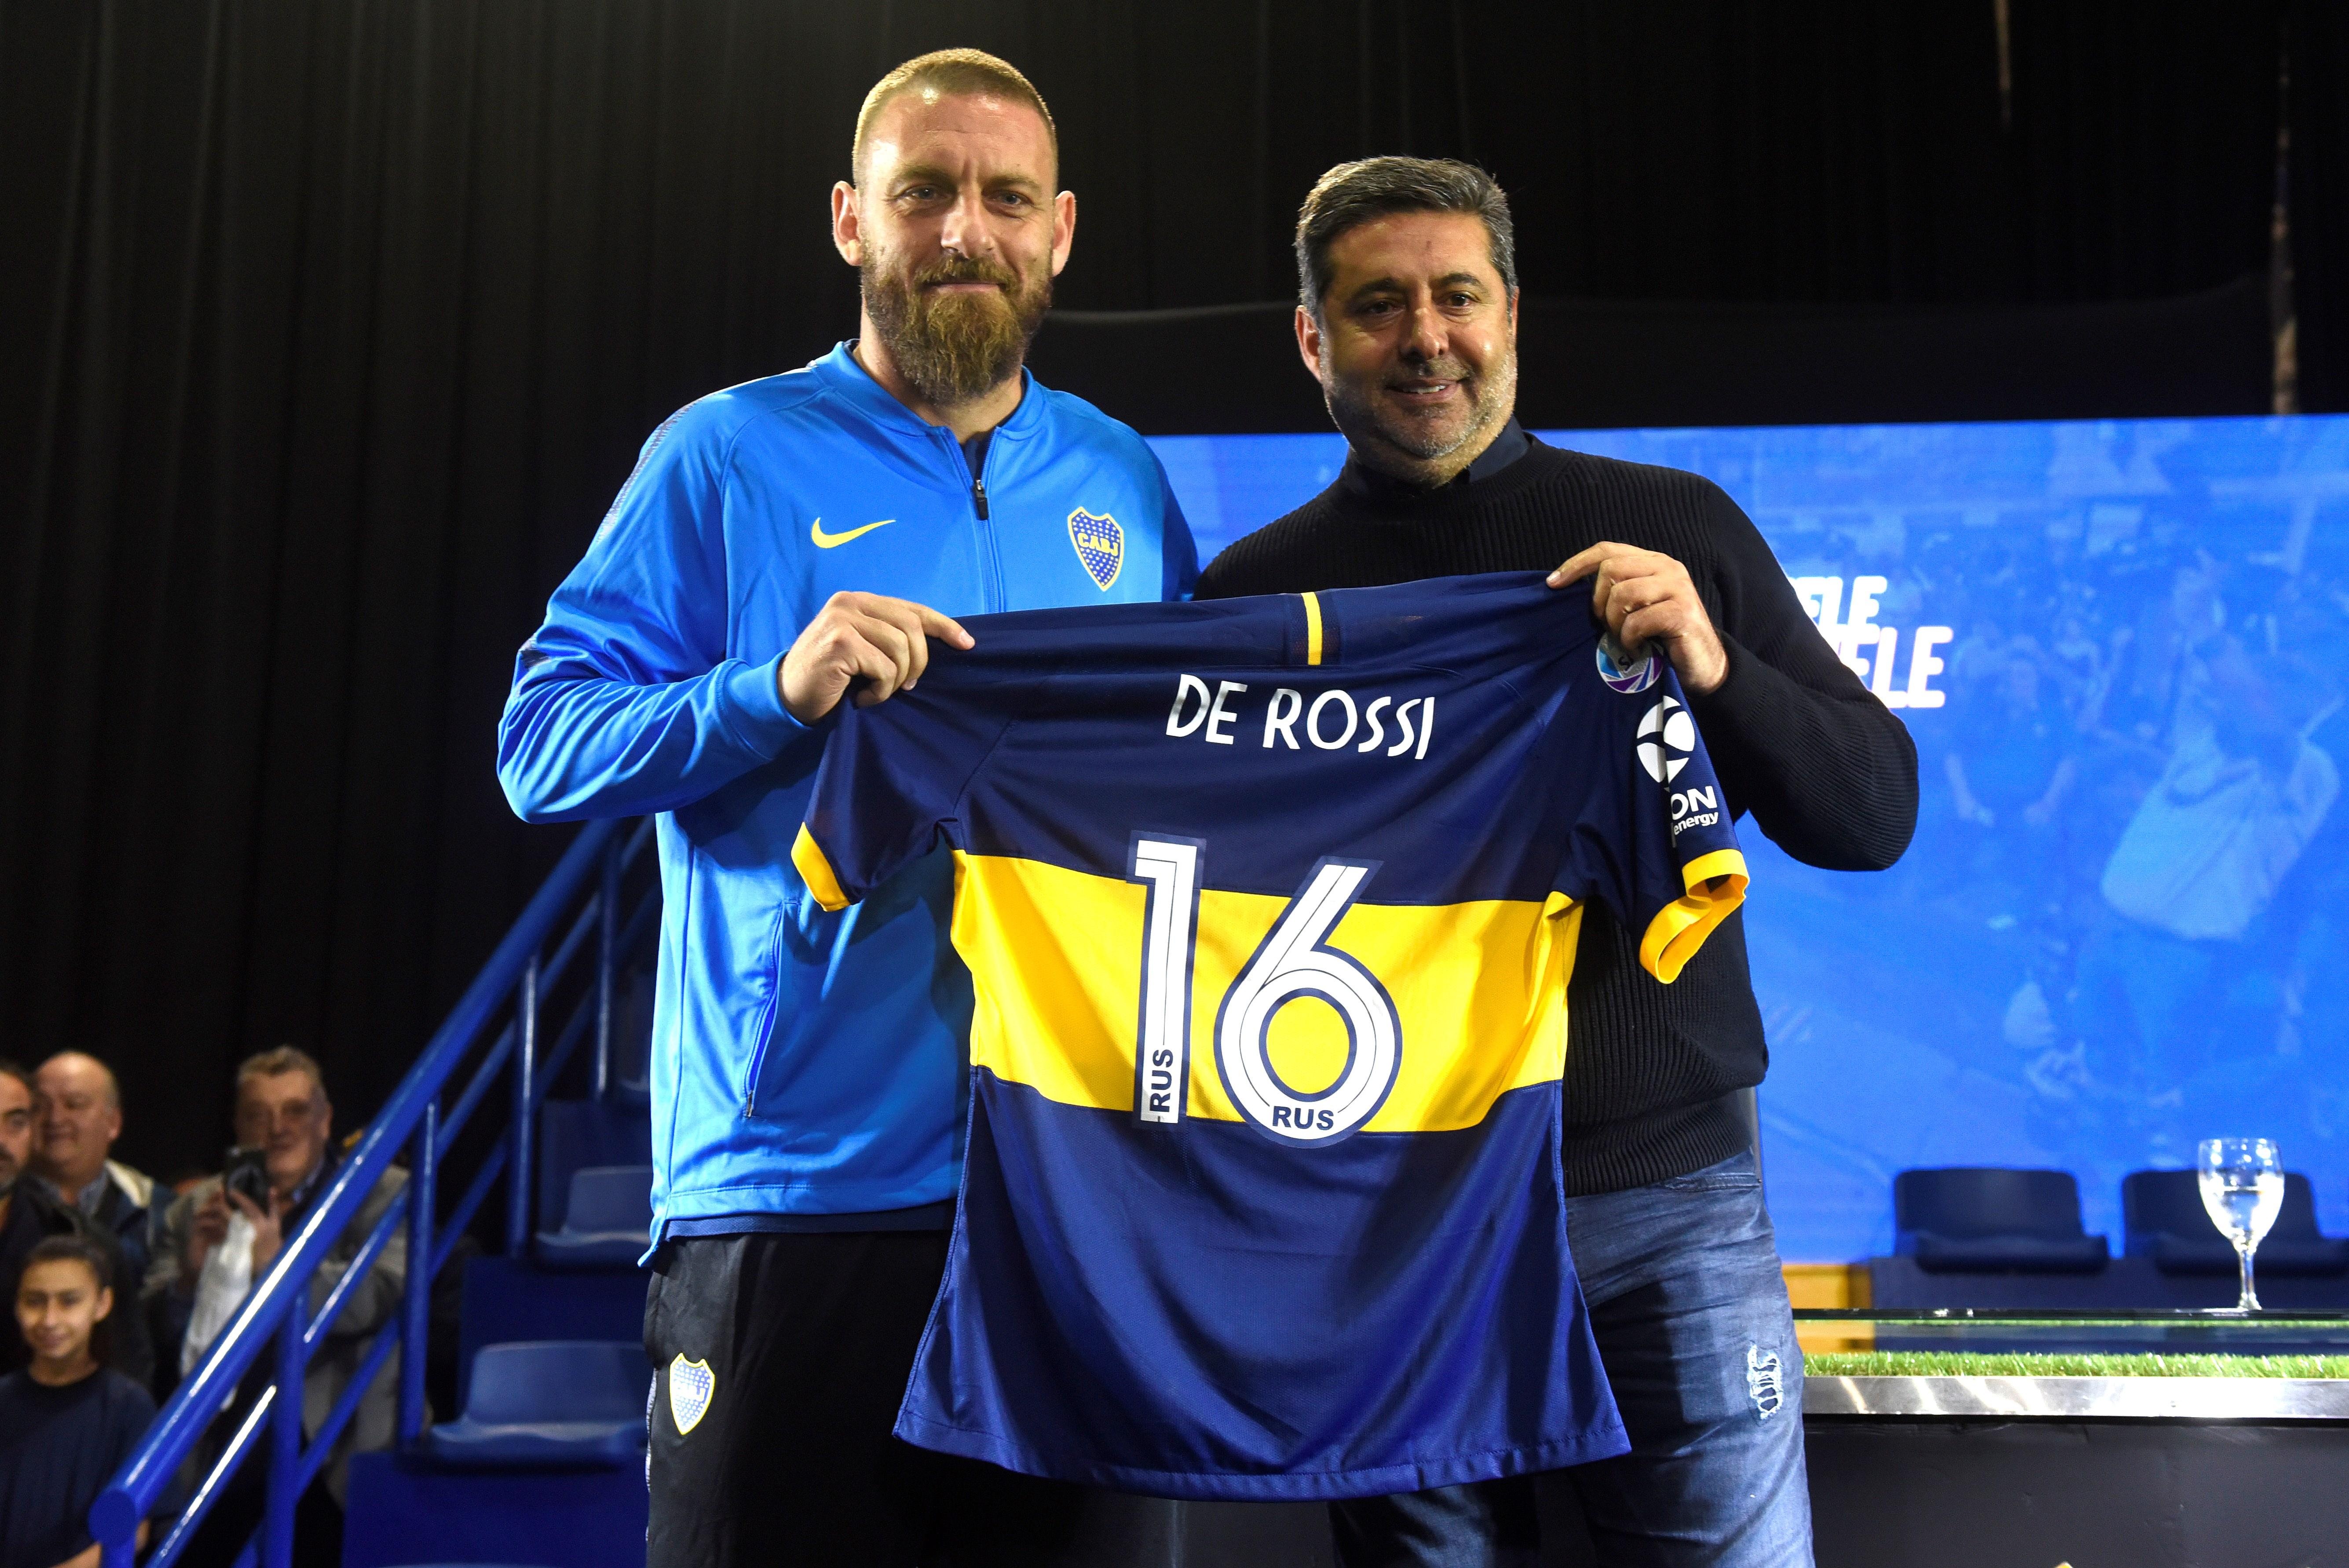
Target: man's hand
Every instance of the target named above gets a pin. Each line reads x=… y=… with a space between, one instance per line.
x=268 y=1228
x=885 y=640
x=1643 y=596
x=208 y=1231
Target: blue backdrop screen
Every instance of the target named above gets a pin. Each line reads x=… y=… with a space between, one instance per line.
x=2123 y=649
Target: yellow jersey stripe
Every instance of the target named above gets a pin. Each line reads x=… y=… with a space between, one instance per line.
x=815 y=870
x=1479 y=988
x=1312 y=628
x=1716 y=885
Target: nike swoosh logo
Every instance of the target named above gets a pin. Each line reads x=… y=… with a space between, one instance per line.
x=834 y=540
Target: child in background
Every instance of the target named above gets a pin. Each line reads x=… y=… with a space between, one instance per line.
x=67 y=1421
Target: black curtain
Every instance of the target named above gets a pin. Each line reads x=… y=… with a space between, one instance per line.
x=1592 y=364
x=327 y=328
x=2318 y=37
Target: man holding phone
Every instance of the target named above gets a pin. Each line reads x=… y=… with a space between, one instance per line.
x=222 y=1235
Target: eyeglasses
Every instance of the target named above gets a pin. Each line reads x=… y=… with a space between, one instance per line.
x=260 y=1120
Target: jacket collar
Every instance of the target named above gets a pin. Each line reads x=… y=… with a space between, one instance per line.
x=137 y=1185
x=308 y=1187
x=840 y=372
x=137 y=1189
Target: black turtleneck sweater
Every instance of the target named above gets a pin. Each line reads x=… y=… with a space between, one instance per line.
x=1652 y=1071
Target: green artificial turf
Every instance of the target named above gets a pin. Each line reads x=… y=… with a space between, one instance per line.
x=1961 y=1364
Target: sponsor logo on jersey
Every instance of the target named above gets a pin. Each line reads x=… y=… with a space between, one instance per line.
x=1101 y=546
x=1698 y=808
x=1667 y=734
x=1624 y=673
x=834 y=540
x=690 y=1385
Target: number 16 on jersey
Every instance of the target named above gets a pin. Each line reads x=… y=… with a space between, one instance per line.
x=1294 y=961
x=1169 y=867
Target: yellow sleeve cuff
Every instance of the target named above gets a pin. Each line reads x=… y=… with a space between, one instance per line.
x=1716 y=885
x=816 y=871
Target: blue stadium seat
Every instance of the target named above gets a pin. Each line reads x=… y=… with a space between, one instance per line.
x=606 y=1223
x=409 y=1508
x=1981 y=1219
x=550 y=1403
x=2167 y=1223
x=572 y=1133
x=508 y=1300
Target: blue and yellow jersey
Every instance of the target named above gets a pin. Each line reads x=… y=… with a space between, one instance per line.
x=795 y=1071
x=1270 y=906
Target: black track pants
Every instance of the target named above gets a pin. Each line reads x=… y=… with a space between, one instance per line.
x=809 y=1340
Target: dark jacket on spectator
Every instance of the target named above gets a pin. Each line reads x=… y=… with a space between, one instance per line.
x=124 y=1204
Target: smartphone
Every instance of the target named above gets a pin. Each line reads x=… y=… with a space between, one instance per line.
x=247 y=1172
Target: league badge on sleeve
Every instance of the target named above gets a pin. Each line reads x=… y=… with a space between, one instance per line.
x=1101 y=546
x=1623 y=673
x=690 y=1384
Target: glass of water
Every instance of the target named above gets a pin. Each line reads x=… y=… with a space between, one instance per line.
x=2242 y=1189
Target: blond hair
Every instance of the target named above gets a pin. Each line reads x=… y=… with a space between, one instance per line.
x=944 y=72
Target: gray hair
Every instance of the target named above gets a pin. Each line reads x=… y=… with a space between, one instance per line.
x=1353 y=194
x=283 y=1059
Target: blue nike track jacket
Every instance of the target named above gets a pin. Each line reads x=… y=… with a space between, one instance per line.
x=803 y=1063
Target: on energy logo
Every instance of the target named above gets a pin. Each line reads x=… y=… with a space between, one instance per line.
x=1667 y=734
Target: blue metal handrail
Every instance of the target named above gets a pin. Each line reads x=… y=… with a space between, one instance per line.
x=521 y=969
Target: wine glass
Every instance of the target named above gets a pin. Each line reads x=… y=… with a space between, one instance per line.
x=2242 y=1189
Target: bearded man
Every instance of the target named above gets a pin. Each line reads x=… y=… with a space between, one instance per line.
x=1407 y=314
x=783 y=545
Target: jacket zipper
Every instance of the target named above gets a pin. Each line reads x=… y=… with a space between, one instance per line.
x=994 y=561
x=766 y=1014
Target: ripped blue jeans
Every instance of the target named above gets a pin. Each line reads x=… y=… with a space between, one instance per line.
x=1689 y=1310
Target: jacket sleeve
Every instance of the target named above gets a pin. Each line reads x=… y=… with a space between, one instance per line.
x=1826 y=770
x=1177 y=547
x=379 y=1295
x=167 y=1307
x=627 y=700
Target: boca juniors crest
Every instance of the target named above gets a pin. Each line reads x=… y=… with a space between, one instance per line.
x=690 y=1385
x=1101 y=546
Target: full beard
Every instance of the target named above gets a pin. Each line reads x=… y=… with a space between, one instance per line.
x=954 y=348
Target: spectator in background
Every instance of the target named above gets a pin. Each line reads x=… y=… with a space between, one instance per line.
x=67 y=1421
x=215 y=1244
x=80 y=1116
x=30 y=1214
x=23 y=1222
